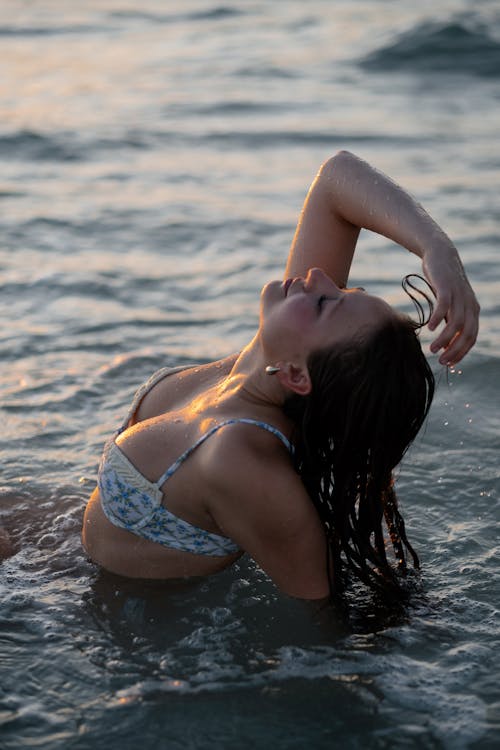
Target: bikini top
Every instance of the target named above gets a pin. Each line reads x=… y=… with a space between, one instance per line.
x=133 y=502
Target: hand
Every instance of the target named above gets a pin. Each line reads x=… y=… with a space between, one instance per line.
x=456 y=304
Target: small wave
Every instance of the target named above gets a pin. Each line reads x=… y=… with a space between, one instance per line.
x=27 y=145
x=285 y=138
x=64 y=146
x=267 y=72
x=240 y=106
x=32 y=146
x=459 y=46
x=214 y=14
x=10 y=31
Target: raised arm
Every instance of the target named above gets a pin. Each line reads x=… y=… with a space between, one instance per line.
x=348 y=195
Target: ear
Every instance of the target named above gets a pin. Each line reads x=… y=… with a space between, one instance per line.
x=294 y=377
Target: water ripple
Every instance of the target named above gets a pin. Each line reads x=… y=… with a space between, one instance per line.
x=457 y=47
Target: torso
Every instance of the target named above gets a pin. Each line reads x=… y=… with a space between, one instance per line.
x=169 y=419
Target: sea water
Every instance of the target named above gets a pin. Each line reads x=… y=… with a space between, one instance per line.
x=155 y=156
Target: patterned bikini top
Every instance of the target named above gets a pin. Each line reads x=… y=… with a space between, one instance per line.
x=133 y=502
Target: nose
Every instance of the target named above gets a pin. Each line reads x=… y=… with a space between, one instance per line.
x=317 y=279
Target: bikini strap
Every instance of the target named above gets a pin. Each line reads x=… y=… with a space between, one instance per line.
x=144 y=389
x=274 y=430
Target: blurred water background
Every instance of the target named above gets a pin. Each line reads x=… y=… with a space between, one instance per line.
x=155 y=156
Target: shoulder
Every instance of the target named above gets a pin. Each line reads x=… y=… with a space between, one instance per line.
x=207 y=371
x=243 y=459
x=239 y=447
x=169 y=389
x=187 y=380
x=258 y=500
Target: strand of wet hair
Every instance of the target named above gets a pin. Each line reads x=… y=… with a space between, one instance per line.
x=412 y=290
x=369 y=563
x=360 y=553
x=399 y=524
x=349 y=534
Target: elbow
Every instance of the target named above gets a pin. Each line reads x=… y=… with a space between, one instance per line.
x=341 y=160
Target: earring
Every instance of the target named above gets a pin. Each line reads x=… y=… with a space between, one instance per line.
x=271 y=370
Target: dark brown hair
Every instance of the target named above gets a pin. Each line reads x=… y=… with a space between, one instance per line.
x=367 y=404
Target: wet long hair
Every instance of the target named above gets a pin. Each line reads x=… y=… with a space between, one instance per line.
x=367 y=403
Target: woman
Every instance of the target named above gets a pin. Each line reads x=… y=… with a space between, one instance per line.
x=286 y=450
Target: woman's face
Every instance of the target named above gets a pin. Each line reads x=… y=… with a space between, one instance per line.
x=300 y=316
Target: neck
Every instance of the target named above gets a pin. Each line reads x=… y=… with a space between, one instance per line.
x=249 y=381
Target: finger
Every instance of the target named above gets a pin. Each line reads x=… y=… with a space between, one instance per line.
x=468 y=334
x=438 y=345
x=439 y=313
x=448 y=333
x=462 y=343
x=453 y=353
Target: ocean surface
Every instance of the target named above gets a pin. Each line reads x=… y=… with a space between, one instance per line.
x=155 y=157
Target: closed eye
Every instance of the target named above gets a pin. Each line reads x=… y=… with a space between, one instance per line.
x=325 y=298
x=321 y=300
